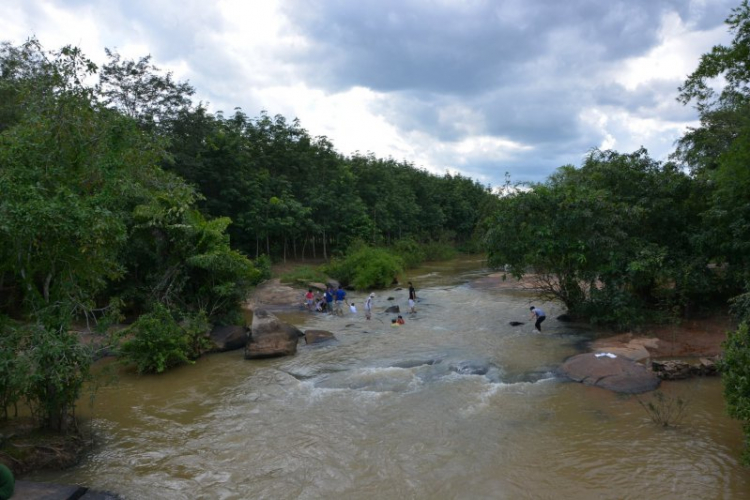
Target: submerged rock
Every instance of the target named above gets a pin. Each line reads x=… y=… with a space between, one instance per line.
x=393 y=309
x=612 y=372
x=318 y=336
x=271 y=337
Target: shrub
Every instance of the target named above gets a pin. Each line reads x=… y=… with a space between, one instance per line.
x=612 y=307
x=263 y=265
x=58 y=367
x=411 y=253
x=157 y=342
x=439 y=251
x=664 y=410
x=197 y=327
x=13 y=372
x=367 y=268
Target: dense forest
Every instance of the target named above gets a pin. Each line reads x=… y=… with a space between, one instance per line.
x=122 y=197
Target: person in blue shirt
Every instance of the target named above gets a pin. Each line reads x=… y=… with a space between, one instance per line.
x=340 y=299
x=329 y=299
x=539 y=315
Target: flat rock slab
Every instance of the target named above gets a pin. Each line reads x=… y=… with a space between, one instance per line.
x=618 y=374
x=318 y=336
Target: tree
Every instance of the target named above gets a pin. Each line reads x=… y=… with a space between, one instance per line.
x=140 y=91
x=718 y=152
x=612 y=236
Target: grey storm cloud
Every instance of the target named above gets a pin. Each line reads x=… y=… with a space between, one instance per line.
x=466 y=47
x=525 y=68
x=537 y=73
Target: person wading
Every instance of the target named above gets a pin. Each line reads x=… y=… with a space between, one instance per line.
x=539 y=315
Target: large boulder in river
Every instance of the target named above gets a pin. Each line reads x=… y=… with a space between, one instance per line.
x=270 y=337
x=393 y=310
x=609 y=371
x=227 y=338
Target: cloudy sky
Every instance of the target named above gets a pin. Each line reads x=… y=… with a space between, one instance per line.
x=478 y=87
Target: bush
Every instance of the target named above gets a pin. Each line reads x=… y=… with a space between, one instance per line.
x=612 y=307
x=13 y=372
x=664 y=410
x=263 y=265
x=411 y=253
x=197 y=328
x=367 y=268
x=58 y=367
x=158 y=342
x=438 y=251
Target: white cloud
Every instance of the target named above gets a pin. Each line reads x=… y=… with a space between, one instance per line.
x=673 y=59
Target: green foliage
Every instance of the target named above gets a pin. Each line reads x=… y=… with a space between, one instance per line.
x=411 y=253
x=435 y=251
x=197 y=328
x=303 y=275
x=605 y=239
x=664 y=410
x=727 y=62
x=14 y=370
x=59 y=366
x=45 y=368
x=158 y=342
x=718 y=151
x=263 y=265
x=735 y=376
x=740 y=307
x=366 y=267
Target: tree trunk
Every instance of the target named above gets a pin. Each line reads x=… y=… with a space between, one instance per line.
x=325 y=251
x=47 y=282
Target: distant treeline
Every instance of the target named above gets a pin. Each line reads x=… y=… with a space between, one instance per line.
x=128 y=189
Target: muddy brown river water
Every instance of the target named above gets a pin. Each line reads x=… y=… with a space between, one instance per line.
x=455 y=404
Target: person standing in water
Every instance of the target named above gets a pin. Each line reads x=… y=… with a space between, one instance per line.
x=539 y=315
x=412 y=298
x=368 y=306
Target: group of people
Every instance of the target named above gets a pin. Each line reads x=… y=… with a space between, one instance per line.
x=332 y=301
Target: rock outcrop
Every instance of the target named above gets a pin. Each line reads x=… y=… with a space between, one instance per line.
x=671 y=369
x=393 y=310
x=271 y=337
x=609 y=371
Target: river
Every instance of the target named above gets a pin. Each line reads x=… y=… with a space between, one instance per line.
x=455 y=404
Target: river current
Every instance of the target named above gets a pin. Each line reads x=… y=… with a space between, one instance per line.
x=454 y=404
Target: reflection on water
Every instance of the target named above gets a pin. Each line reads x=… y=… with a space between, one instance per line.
x=456 y=403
